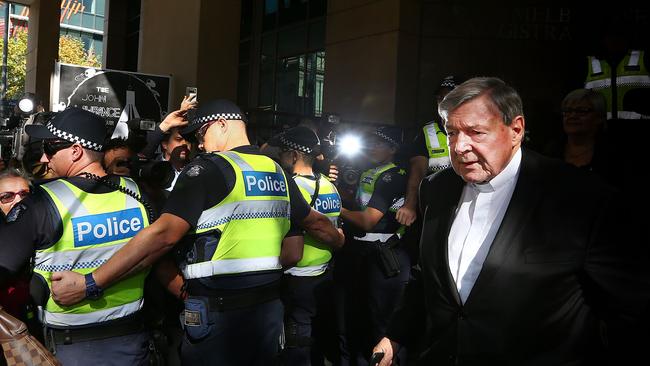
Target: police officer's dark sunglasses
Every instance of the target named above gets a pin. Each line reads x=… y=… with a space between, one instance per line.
x=51 y=147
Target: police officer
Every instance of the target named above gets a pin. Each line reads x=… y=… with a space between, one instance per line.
x=618 y=71
x=305 y=285
x=375 y=267
x=76 y=222
x=234 y=205
x=428 y=154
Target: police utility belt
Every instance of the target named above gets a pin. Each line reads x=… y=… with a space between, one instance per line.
x=225 y=300
x=115 y=328
x=386 y=245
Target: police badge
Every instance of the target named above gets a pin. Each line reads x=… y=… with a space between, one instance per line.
x=194 y=171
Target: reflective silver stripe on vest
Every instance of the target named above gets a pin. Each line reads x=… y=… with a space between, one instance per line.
x=243 y=165
x=91 y=257
x=598 y=84
x=242 y=210
x=373 y=237
x=628 y=115
x=304 y=185
x=97 y=316
x=628 y=80
x=595 y=66
x=67 y=197
x=634 y=58
x=75 y=206
x=308 y=271
x=364 y=198
x=436 y=164
x=633 y=80
x=432 y=132
x=229 y=266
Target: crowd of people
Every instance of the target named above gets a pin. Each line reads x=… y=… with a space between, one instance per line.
x=471 y=249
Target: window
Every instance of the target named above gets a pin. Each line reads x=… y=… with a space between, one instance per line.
x=282 y=61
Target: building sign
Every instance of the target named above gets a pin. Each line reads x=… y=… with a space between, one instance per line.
x=112 y=94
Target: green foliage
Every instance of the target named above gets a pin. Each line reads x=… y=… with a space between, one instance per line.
x=16 y=64
x=71 y=51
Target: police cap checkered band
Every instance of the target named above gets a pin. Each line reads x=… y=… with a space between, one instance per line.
x=73 y=125
x=392 y=135
x=72 y=138
x=211 y=111
x=299 y=138
x=295 y=146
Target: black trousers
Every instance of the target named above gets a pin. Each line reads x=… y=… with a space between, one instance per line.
x=366 y=298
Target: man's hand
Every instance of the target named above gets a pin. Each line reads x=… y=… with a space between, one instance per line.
x=174 y=119
x=188 y=103
x=406 y=215
x=386 y=346
x=333 y=173
x=68 y=288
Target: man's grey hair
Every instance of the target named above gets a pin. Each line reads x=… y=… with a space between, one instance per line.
x=502 y=96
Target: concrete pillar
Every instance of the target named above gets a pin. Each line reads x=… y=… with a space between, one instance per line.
x=42 y=47
x=169 y=34
x=218 y=55
x=196 y=41
x=371 y=66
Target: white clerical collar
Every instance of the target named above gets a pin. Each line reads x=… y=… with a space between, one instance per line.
x=509 y=173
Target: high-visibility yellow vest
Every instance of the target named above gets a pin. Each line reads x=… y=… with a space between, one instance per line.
x=316 y=255
x=436 y=142
x=252 y=220
x=631 y=73
x=367 y=187
x=95 y=226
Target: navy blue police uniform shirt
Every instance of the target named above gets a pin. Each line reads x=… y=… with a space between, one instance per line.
x=389 y=187
x=202 y=184
x=34 y=223
x=419 y=146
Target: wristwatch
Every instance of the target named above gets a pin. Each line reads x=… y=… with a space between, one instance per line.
x=93 y=292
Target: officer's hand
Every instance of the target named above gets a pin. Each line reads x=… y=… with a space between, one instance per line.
x=68 y=288
x=341 y=237
x=406 y=215
x=386 y=346
x=174 y=119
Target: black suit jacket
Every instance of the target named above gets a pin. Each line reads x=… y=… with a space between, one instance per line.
x=557 y=271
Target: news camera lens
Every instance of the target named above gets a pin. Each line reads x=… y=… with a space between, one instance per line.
x=350 y=176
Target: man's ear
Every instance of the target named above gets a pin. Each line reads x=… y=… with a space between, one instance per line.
x=77 y=152
x=518 y=128
x=223 y=124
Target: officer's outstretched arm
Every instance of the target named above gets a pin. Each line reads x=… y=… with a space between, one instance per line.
x=143 y=250
x=291 y=252
x=364 y=220
x=322 y=229
x=140 y=252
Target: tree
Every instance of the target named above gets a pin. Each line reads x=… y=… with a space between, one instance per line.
x=71 y=51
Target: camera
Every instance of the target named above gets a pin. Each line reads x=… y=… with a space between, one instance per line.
x=342 y=152
x=158 y=174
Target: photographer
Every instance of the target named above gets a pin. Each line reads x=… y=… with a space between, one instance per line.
x=373 y=268
x=175 y=148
